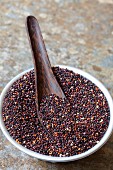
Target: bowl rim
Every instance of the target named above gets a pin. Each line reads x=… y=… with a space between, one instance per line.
x=61 y=159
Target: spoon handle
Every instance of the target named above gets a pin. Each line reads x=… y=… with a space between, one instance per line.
x=45 y=80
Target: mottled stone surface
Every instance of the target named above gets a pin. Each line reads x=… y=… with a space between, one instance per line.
x=78 y=33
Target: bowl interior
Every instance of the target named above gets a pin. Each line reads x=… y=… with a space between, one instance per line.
x=61 y=159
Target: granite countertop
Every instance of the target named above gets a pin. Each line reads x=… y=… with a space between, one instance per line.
x=78 y=33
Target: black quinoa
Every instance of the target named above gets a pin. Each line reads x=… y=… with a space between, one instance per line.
x=75 y=124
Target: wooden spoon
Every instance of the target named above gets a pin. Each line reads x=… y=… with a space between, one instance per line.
x=45 y=80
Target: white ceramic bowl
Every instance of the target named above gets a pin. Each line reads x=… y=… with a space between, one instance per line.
x=61 y=159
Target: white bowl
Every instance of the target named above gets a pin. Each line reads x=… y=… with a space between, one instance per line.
x=61 y=159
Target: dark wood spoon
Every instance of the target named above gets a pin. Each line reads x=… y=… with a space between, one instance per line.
x=45 y=80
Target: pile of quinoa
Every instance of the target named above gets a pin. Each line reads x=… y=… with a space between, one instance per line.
x=75 y=124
